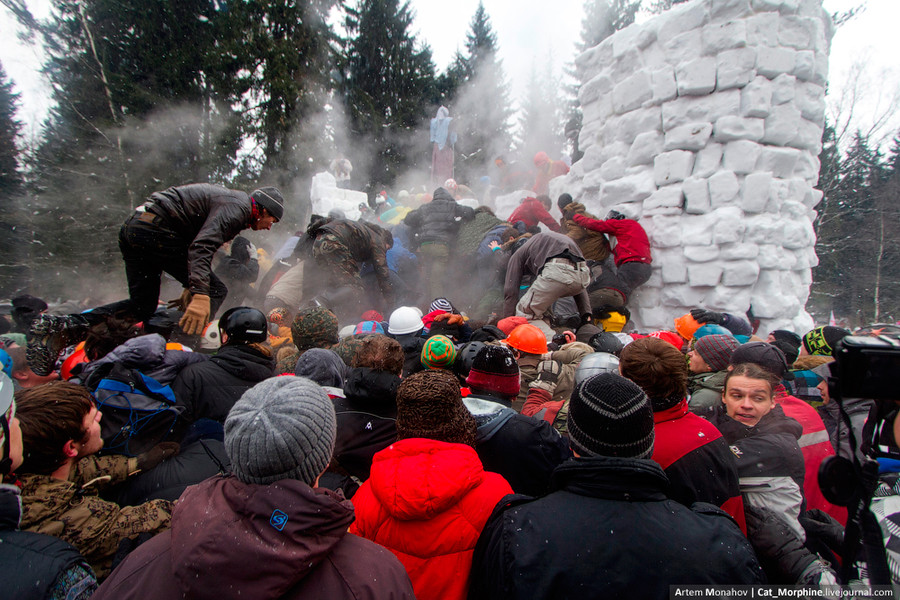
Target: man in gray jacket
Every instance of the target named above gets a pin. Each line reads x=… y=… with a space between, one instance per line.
x=559 y=270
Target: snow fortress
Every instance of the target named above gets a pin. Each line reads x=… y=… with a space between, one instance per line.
x=705 y=123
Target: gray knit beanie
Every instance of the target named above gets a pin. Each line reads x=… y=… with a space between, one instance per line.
x=281 y=428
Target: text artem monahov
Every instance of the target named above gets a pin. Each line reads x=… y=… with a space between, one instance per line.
x=777 y=591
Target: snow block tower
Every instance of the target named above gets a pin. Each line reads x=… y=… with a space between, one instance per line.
x=705 y=123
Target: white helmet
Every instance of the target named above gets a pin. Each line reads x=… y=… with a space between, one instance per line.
x=405 y=319
x=595 y=364
x=211 y=339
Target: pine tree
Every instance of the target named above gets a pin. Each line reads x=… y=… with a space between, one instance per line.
x=11 y=179
x=602 y=18
x=850 y=229
x=12 y=241
x=540 y=123
x=481 y=102
x=389 y=86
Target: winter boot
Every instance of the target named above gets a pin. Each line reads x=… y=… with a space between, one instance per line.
x=48 y=336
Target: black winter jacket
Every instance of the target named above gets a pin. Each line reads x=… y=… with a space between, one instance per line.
x=438 y=220
x=366 y=419
x=523 y=449
x=412 y=344
x=607 y=531
x=209 y=389
x=205 y=216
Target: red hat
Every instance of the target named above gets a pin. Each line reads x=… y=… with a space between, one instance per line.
x=509 y=323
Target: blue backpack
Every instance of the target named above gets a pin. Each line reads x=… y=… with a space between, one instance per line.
x=138 y=411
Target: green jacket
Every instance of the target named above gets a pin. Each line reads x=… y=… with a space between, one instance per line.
x=72 y=511
x=706 y=390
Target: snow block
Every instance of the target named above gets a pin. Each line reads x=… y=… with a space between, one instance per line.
x=740 y=273
x=708 y=160
x=631 y=93
x=671 y=167
x=782 y=125
x=732 y=128
x=756 y=98
x=735 y=68
x=644 y=148
x=631 y=188
x=704 y=274
x=780 y=162
x=696 y=77
x=772 y=62
x=662 y=85
x=696 y=196
x=740 y=156
x=718 y=37
x=755 y=196
x=688 y=137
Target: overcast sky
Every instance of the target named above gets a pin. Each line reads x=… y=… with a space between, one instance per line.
x=529 y=32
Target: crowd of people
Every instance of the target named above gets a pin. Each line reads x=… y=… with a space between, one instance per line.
x=448 y=405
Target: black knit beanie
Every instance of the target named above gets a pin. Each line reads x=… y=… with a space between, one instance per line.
x=494 y=371
x=610 y=416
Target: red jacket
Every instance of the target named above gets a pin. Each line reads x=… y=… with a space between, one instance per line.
x=427 y=502
x=530 y=212
x=697 y=461
x=816 y=446
x=632 y=243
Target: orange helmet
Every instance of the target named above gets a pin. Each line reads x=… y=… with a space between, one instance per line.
x=76 y=358
x=527 y=338
x=686 y=325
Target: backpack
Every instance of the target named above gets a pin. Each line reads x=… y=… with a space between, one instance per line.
x=138 y=411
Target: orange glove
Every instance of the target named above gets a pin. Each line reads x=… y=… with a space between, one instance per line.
x=196 y=315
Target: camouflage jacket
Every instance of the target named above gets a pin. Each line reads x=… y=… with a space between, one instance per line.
x=569 y=356
x=72 y=511
x=593 y=244
x=365 y=242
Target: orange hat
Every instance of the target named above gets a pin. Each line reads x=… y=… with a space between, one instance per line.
x=686 y=326
x=509 y=323
x=669 y=336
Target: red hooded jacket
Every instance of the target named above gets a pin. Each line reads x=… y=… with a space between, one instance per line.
x=531 y=211
x=632 y=243
x=427 y=502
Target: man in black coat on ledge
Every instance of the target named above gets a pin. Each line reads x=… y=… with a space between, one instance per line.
x=608 y=530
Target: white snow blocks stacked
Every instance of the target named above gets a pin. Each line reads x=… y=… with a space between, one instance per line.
x=705 y=123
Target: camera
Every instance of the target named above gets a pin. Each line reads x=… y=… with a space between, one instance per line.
x=868 y=367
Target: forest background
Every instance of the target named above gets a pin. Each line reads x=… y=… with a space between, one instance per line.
x=269 y=92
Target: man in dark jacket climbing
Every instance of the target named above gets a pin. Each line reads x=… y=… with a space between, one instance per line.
x=607 y=526
x=434 y=227
x=268 y=531
x=209 y=389
x=177 y=231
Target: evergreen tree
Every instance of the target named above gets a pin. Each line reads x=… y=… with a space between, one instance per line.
x=389 y=86
x=481 y=102
x=11 y=179
x=541 y=118
x=850 y=228
x=602 y=18
x=12 y=266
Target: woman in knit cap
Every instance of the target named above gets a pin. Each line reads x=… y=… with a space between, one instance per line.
x=428 y=496
x=708 y=364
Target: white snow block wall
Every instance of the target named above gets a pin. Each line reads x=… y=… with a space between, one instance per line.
x=705 y=123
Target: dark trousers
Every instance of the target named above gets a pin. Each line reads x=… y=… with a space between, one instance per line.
x=149 y=250
x=626 y=278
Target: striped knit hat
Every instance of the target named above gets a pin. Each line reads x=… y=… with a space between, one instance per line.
x=716 y=350
x=441 y=304
x=610 y=416
x=438 y=353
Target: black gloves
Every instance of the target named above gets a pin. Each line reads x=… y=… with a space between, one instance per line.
x=781 y=553
x=701 y=315
x=821 y=526
x=156 y=455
